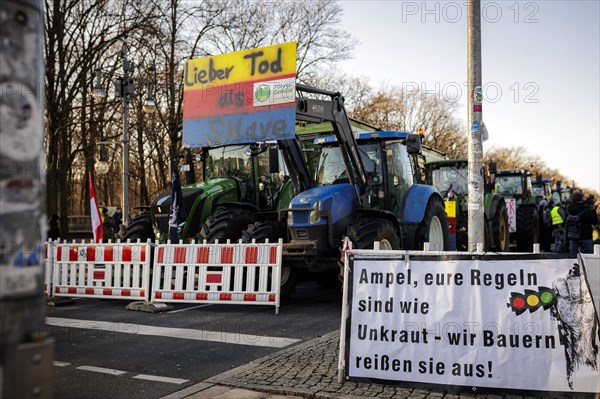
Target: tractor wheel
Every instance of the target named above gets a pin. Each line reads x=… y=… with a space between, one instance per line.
x=434 y=227
x=500 y=231
x=365 y=231
x=225 y=224
x=140 y=228
x=269 y=230
x=527 y=228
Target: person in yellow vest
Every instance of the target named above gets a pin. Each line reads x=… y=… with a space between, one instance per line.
x=558 y=216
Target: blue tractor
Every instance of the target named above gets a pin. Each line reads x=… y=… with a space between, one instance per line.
x=366 y=188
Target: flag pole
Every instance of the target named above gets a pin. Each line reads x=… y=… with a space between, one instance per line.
x=97 y=228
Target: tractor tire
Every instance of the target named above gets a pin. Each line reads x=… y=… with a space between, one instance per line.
x=434 y=227
x=141 y=229
x=269 y=230
x=527 y=228
x=365 y=231
x=225 y=224
x=500 y=230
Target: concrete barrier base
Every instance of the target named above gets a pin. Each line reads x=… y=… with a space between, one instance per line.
x=149 y=307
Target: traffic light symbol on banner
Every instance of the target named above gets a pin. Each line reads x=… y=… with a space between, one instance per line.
x=532 y=300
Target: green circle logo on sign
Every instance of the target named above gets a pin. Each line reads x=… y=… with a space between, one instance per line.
x=262 y=93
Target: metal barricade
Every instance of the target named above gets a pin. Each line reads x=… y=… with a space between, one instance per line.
x=49 y=255
x=101 y=270
x=248 y=274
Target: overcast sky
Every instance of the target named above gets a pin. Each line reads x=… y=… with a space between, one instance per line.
x=540 y=68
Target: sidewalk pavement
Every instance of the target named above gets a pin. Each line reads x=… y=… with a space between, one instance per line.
x=306 y=370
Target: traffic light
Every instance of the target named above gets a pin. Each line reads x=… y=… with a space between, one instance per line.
x=532 y=300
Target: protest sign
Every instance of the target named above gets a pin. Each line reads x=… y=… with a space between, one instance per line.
x=525 y=324
x=241 y=97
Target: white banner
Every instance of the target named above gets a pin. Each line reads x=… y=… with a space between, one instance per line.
x=494 y=323
x=511 y=209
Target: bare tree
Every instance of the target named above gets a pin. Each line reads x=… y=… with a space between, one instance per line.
x=79 y=34
x=356 y=90
x=314 y=25
x=82 y=35
x=179 y=35
x=411 y=110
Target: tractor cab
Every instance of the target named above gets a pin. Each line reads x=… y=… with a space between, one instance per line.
x=515 y=184
x=387 y=161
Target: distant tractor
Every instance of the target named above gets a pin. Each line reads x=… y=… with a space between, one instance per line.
x=542 y=188
x=562 y=193
x=450 y=178
x=515 y=187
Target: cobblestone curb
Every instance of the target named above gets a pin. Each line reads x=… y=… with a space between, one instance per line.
x=310 y=370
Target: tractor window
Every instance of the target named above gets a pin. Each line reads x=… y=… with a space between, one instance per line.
x=370 y=154
x=509 y=185
x=233 y=161
x=331 y=168
x=547 y=192
x=400 y=175
x=529 y=187
x=449 y=179
x=275 y=180
x=228 y=161
x=371 y=158
x=538 y=191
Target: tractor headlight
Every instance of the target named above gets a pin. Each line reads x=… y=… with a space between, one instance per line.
x=290 y=218
x=315 y=213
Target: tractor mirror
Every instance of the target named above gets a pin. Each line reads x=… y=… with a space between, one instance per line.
x=413 y=144
x=273 y=159
x=538 y=178
x=492 y=168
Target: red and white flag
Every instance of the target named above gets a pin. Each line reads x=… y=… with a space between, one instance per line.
x=96 y=219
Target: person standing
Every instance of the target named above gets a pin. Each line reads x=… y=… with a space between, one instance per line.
x=545 y=225
x=54 y=227
x=117 y=220
x=557 y=218
x=580 y=219
x=107 y=226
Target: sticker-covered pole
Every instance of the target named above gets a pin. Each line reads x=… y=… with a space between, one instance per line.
x=475 y=153
x=26 y=352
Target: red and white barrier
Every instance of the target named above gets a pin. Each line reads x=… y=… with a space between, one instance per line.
x=218 y=273
x=48 y=253
x=113 y=270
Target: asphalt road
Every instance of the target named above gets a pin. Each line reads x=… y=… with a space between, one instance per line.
x=103 y=350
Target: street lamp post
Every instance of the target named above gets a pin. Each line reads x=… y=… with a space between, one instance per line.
x=126 y=90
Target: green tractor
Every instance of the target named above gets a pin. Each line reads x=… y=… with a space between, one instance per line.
x=245 y=174
x=450 y=177
x=515 y=186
